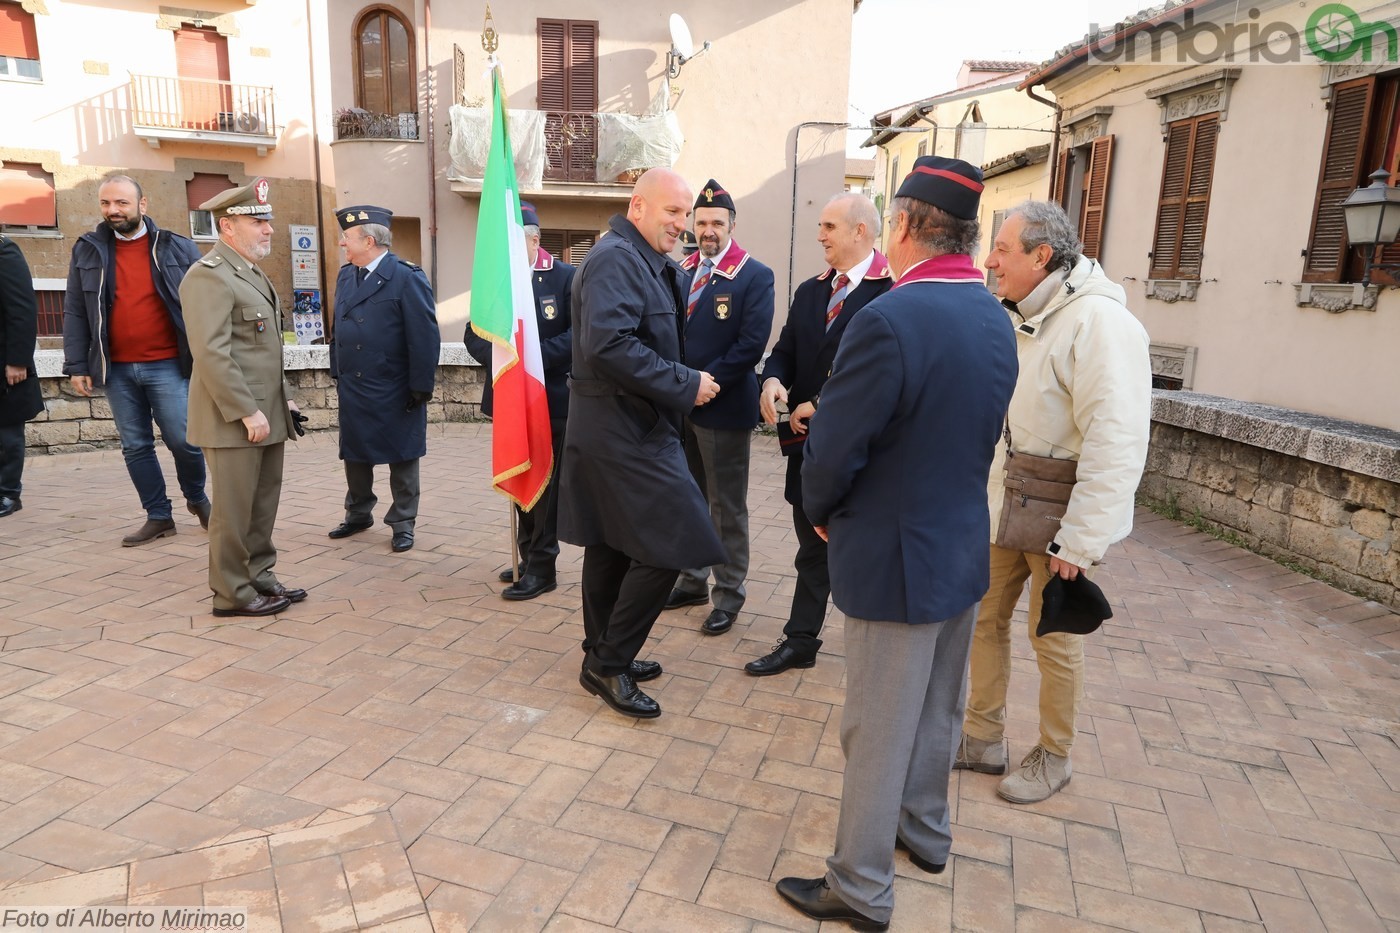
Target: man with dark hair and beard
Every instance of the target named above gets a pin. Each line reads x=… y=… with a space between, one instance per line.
x=123 y=327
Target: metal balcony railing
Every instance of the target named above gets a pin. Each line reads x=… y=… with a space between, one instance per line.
x=198 y=104
x=363 y=124
x=571 y=146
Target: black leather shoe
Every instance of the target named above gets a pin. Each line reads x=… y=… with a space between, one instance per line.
x=718 y=622
x=621 y=693
x=528 y=587
x=292 y=595
x=200 y=510
x=783 y=657
x=644 y=670
x=262 y=605
x=680 y=598
x=933 y=868
x=346 y=529
x=9 y=506
x=816 y=900
x=505 y=576
x=403 y=541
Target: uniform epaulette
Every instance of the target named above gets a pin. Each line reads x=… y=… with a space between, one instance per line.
x=411 y=265
x=212 y=260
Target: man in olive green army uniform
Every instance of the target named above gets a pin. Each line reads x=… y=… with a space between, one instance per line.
x=240 y=404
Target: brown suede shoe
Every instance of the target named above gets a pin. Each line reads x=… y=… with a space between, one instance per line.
x=154 y=528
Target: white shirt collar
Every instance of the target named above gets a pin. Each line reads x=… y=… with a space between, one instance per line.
x=855 y=273
x=375 y=262
x=140 y=232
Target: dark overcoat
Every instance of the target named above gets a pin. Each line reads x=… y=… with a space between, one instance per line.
x=385 y=345
x=801 y=359
x=726 y=333
x=552 y=282
x=625 y=482
x=900 y=447
x=19 y=324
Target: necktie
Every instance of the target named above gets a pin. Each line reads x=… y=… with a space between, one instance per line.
x=360 y=274
x=838 y=298
x=697 y=287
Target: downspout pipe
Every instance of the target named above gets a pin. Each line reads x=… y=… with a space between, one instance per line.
x=432 y=146
x=316 y=170
x=1055 y=140
x=792 y=221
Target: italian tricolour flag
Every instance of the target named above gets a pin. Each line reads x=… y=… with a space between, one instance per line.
x=503 y=312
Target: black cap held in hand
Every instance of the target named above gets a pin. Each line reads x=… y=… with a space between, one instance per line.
x=1075 y=606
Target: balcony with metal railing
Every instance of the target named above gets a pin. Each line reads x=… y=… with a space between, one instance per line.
x=165 y=109
x=354 y=123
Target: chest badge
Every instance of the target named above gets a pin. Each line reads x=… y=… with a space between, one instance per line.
x=722 y=304
x=260 y=326
x=549 y=308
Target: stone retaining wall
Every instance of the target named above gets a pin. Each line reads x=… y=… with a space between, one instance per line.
x=70 y=422
x=1318 y=491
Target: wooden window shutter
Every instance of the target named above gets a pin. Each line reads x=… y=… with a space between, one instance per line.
x=1060 y=194
x=27 y=196
x=1341 y=168
x=553 y=242
x=553 y=89
x=17 y=35
x=1197 y=206
x=1179 y=235
x=998 y=218
x=1096 y=197
x=580 y=242
x=202 y=187
x=583 y=65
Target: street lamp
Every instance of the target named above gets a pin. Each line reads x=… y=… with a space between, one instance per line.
x=1373 y=220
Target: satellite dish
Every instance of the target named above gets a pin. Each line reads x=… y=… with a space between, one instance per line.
x=682 y=47
x=681 y=43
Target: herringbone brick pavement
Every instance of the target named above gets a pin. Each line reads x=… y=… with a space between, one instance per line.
x=406 y=751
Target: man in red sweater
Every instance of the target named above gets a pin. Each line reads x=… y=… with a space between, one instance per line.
x=123 y=327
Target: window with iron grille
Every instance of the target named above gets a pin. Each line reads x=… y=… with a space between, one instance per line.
x=1178 y=240
x=48 y=295
x=568 y=94
x=1363 y=134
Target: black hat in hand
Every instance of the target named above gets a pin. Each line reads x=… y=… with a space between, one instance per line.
x=1075 y=606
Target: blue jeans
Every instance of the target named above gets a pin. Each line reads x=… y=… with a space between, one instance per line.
x=138 y=393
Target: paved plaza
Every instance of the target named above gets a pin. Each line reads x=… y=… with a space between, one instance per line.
x=405 y=751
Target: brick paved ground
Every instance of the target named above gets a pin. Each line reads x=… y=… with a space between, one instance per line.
x=405 y=751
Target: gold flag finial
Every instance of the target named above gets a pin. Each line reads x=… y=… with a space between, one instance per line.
x=489 y=39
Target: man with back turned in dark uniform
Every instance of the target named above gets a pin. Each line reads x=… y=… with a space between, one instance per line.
x=538 y=532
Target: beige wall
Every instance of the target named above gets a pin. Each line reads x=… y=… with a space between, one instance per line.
x=77 y=123
x=739 y=106
x=1253 y=341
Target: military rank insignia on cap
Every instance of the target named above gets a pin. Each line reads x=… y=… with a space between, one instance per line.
x=349 y=217
x=712 y=195
x=250 y=199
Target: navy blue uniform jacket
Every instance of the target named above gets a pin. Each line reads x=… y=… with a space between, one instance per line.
x=385 y=345
x=900 y=447
x=801 y=359
x=552 y=281
x=625 y=482
x=726 y=334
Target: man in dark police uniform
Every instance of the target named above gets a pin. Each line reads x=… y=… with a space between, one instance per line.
x=728 y=316
x=384 y=355
x=538 y=532
x=626 y=495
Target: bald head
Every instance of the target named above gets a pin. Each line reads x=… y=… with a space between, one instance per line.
x=659 y=208
x=847 y=230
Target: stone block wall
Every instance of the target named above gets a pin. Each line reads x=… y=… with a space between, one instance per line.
x=1321 y=492
x=70 y=422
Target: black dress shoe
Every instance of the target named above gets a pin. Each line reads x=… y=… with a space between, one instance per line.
x=9 y=506
x=718 y=622
x=346 y=529
x=933 y=868
x=680 y=598
x=262 y=605
x=505 y=576
x=781 y=658
x=528 y=587
x=200 y=510
x=293 y=595
x=644 y=670
x=816 y=900
x=403 y=541
x=621 y=693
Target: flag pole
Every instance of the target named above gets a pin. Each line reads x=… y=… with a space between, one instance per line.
x=514 y=546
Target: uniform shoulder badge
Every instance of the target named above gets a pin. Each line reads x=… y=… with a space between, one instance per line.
x=212 y=260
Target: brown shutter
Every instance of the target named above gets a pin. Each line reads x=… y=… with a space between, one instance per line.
x=459 y=75
x=17 y=36
x=1193 y=225
x=1059 y=194
x=553 y=242
x=1341 y=169
x=201 y=53
x=202 y=187
x=580 y=242
x=583 y=100
x=998 y=218
x=1096 y=197
x=568 y=93
x=553 y=91
x=27 y=196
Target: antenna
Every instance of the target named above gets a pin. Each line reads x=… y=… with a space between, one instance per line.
x=682 y=47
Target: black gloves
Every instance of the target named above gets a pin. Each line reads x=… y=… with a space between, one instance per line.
x=416 y=398
x=298 y=419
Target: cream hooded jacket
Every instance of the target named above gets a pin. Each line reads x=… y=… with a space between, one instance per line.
x=1084 y=393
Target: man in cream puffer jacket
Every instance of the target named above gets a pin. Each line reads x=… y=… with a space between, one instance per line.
x=1084 y=393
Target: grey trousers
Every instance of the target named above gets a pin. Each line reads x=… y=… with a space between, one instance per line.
x=719 y=461
x=360 y=498
x=899 y=732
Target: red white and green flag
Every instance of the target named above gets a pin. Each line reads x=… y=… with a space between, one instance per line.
x=503 y=312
